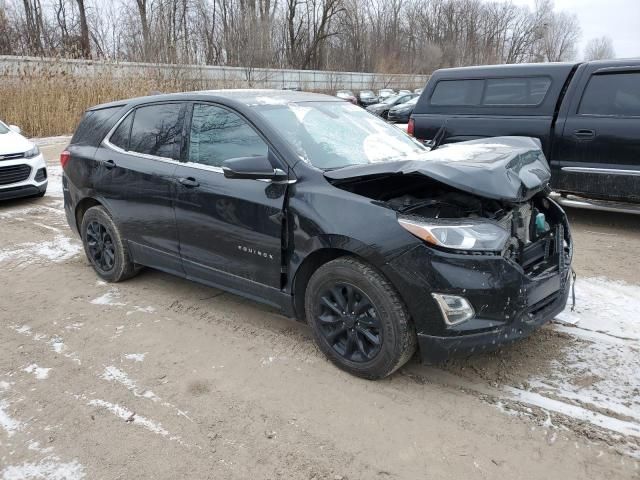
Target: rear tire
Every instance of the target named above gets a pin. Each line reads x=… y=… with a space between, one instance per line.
x=358 y=319
x=104 y=246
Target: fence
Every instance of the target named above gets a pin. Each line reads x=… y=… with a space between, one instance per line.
x=208 y=76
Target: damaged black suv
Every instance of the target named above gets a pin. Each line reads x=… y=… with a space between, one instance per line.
x=318 y=208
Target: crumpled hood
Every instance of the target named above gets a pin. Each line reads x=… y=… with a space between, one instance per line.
x=12 y=142
x=511 y=169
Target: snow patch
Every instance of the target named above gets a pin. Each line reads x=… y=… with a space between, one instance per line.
x=129 y=416
x=109 y=298
x=50 y=468
x=136 y=357
x=148 y=309
x=7 y=423
x=59 y=249
x=605 y=306
x=40 y=372
x=116 y=375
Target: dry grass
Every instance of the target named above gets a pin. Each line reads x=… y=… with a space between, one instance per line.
x=52 y=104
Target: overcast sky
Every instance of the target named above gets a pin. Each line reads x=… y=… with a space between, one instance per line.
x=619 y=19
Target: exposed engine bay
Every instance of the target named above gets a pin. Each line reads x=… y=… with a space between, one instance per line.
x=536 y=233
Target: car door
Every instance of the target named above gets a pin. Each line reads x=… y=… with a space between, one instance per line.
x=138 y=161
x=598 y=153
x=230 y=229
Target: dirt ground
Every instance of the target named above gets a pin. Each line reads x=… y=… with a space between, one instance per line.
x=162 y=378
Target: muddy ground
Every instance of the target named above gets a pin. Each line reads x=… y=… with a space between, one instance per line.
x=158 y=377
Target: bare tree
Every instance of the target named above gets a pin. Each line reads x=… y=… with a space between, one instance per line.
x=386 y=36
x=600 y=48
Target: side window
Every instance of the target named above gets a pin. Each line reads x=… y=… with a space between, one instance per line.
x=457 y=93
x=217 y=134
x=612 y=94
x=516 y=91
x=120 y=138
x=156 y=130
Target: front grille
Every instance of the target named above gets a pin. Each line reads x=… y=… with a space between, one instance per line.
x=10 y=156
x=14 y=174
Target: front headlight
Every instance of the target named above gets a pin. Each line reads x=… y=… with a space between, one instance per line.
x=459 y=234
x=34 y=152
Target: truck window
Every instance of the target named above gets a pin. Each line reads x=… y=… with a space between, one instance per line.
x=457 y=92
x=524 y=91
x=615 y=94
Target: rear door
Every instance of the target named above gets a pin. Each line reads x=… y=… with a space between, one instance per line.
x=230 y=229
x=138 y=161
x=598 y=153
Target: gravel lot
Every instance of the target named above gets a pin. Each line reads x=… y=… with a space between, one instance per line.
x=161 y=378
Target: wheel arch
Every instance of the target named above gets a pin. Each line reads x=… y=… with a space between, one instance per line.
x=82 y=207
x=329 y=249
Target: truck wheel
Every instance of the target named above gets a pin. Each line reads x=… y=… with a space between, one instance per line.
x=105 y=247
x=358 y=319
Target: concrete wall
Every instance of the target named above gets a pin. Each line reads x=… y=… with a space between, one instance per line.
x=210 y=76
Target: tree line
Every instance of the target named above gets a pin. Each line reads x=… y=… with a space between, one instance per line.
x=386 y=36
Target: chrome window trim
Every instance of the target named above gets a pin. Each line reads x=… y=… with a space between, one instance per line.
x=602 y=171
x=106 y=142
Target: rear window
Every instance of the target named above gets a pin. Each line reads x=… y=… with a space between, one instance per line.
x=95 y=124
x=516 y=91
x=510 y=91
x=612 y=94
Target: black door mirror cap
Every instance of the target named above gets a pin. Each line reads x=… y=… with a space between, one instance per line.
x=253 y=168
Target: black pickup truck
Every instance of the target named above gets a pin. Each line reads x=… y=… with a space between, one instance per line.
x=586 y=115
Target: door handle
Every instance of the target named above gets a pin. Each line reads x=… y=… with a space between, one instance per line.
x=109 y=164
x=584 y=133
x=188 y=182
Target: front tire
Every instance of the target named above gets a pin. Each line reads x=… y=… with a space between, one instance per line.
x=358 y=319
x=104 y=246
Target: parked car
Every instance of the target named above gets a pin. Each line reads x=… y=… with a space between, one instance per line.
x=586 y=115
x=23 y=171
x=404 y=92
x=347 y=95
x=418 y=91
x=382 y=109
x=401 y=113
x=337 y=218
x=367 y=97
x=385 y=93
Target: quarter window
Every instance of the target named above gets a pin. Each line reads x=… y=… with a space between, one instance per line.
x=120 y=138
x=218 y=134
x=457 y=93
x=156 y=130
x=612 y=94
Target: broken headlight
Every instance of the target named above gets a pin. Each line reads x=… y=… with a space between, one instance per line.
x=476 y=235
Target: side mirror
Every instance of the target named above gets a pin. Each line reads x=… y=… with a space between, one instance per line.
x=15 y=128
x=252 y=168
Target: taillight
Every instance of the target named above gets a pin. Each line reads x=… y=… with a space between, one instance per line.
x=410 y=127
x=65 y=156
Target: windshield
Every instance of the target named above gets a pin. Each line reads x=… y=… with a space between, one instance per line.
x=331 y=135
x=390 y=99
x=3 y=128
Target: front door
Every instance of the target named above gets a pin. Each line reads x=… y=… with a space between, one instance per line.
x=598 y=153
x=229 y=229
x=140 y=159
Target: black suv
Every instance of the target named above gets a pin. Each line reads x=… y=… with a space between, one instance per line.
x=312 y=205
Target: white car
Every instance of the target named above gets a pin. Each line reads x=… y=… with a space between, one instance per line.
x=23 y=171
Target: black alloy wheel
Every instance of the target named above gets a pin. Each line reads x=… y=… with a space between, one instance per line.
x=358 y=319
x=349 y=323
x=105 y=246
x=100 y=246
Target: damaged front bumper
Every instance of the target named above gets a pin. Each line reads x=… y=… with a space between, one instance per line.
x=509 y=302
